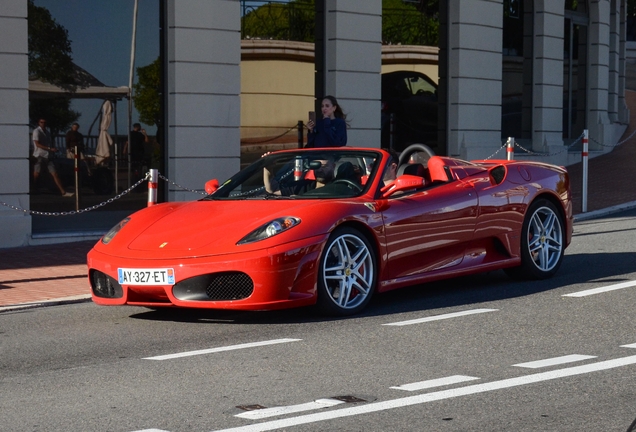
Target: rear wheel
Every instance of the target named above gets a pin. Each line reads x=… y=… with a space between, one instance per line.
x=542 y=242
x=347 y=275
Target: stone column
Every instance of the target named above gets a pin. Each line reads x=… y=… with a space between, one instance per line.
x=203 y=102
x=599 y=67
x=15 y=226
x=547 y=97
x=352 y=64
x=474 y=71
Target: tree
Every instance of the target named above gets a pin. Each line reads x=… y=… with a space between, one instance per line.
x=147 y=97
x=50 y=53
x=403 y=22
x=50 y=59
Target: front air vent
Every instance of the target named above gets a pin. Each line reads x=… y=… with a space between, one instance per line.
x=215 y=287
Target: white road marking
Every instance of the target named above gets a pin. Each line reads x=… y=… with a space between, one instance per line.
x=151 y=430
x=438 y=382
x=554 y=361
x=440 y=317
x=435 y=396
x=629 y=346
x=221 y=349
x=275 y=411
x=601 y=289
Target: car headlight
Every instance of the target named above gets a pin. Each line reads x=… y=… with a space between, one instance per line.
x=114 y=230
x=270 y=229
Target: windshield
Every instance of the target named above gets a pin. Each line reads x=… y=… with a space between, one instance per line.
x=303 y=174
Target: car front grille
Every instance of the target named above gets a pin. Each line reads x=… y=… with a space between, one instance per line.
x=215 y=287
x=105 y=286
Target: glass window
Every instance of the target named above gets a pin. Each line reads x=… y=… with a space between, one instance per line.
x=84 y=46
x=516 y=104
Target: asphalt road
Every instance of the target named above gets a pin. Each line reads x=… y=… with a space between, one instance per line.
x=484 y=353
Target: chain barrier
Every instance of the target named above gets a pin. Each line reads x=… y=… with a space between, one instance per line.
x=567 y=148
x=84 y=210
x=166 y=179
x=276 y=137
x=493 y=155
x=617 y=144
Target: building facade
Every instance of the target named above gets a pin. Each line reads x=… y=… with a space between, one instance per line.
x=557 y=68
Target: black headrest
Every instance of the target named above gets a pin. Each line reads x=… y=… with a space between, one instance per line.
x=412 y=169
x=346 y=171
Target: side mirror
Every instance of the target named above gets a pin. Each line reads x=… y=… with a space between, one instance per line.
x=403 y=183
x=211 y=186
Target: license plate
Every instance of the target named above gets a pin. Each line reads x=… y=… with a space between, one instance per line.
x=161 y=276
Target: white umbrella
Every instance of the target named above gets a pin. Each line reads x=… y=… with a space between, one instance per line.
x=104 y=141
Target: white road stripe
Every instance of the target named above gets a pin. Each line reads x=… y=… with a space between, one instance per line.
x=440 y=317
x=435 y=396
x=438 y=382
x=629 y=346
x=275 y=411
x=221 y=349
x=554 y=361
x=601 y=289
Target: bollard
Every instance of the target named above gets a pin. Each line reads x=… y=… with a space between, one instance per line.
x=584 y=157
x=152 y=187
x=510 y=148
x=301 y=135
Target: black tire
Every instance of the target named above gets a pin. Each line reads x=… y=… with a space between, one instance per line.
x=347 y=266
x=102 y=181
x=542 y=242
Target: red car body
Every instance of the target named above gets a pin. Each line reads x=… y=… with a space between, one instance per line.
x=371 y=238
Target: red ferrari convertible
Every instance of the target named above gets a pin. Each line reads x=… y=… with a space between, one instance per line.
x=332 y=227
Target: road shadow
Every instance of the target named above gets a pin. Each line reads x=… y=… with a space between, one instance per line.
x=462 y=291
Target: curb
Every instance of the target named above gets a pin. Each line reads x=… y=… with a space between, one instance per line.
x=84 y=298
x=604 y=212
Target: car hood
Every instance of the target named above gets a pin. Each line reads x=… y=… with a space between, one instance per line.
x=211 y=227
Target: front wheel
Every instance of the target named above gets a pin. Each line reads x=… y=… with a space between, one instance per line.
x=542 y=242
x=347 y=275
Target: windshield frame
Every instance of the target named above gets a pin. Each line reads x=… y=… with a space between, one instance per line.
x=371 y=159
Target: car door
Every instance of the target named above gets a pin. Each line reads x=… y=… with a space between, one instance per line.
x=429 y=230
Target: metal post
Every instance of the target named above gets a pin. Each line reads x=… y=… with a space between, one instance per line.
x=301 y=135
x=510 y=148
x=152 y=187
x=76 y=167
x=116 y=149
x=584 y=157
x=392 y=131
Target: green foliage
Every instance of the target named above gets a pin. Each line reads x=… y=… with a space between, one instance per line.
x=280 y=21
x=405 y=24
x=49 y=49
x=402 y=23
x=50 y=61
x=147 y=93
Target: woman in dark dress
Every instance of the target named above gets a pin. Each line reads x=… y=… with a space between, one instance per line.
x=331 y=130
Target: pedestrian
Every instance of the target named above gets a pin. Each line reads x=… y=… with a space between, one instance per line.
x=331 y=130
x=75 y=145
x=74 y=141
x=43 y=152
x=138 y=138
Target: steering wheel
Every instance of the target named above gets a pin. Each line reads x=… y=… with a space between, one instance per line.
x=416 y=148
x=353 y=185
